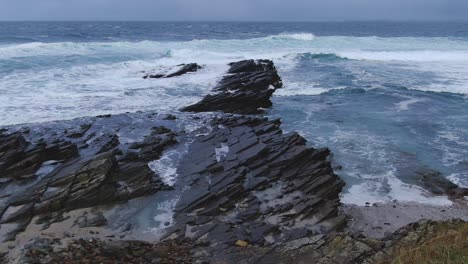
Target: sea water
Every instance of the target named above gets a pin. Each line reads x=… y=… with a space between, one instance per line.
x=384 y=97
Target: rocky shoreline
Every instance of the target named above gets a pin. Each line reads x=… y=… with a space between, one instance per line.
x=227 y=186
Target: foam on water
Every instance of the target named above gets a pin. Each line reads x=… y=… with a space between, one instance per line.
x=388 y=190
x=295 y=36
x=65 y=93
x=405 y=104
x=459 y=179
x=163 y=218
x=416 y=56
x=63 y=80
x=302 y=88
x=67 y=80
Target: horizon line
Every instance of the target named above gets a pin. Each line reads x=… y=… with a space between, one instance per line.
x=247 y=21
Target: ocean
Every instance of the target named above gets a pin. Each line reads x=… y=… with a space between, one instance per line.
x=389 y=99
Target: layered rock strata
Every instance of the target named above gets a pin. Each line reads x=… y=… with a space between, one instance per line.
x=246 y=89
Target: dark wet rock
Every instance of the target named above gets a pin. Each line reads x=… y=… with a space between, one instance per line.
x=79 y=132
x=234 y=177
x=154 y=76
x=96 y=219
x=160 y=130
x=154 y=144
x=80 y=184
x=109 y=142
x=170 y=117
x=104 y=116
x=411 y=171
x=248 y=66
x=60 y=179
x=437 y=184
x=25 y=130
x=246 y=90
x=185 y=68
x=191 y=67
x=20 y=159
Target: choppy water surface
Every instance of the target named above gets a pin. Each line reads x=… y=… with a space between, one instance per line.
x=385 y=97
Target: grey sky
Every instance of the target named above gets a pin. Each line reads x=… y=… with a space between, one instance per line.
x=251 y=10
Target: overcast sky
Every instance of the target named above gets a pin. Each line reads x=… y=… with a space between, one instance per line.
x=239 y=10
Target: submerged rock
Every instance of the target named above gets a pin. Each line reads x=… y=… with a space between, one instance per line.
x=246 y=90
x=185 y=68
x=437 y=184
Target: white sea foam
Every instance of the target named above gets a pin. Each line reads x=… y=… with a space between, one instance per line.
x=166 y=166
x=302 y=88
x=405 y=104
x=418 y=56
x=391 y=189
x=368 y=164
x=295 y=36
x=65 y=80
x=459 y=179
x=64 y=93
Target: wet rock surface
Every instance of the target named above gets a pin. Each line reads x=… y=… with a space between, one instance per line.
x=43 y=174
x=247 y=183
x=20 y=160
x=246 y=89
x=184 y=69
x=437 y=184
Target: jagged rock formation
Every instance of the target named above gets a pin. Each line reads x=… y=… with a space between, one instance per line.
x=47 y=178
x=185 y=68
x=20 y=160
x=248 y=182
x=437 y=184
x=153 y=145
x=246 y=90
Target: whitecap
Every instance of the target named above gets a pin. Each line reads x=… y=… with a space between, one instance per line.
x=295 y=36
x=394 y=189
x=405 y=104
